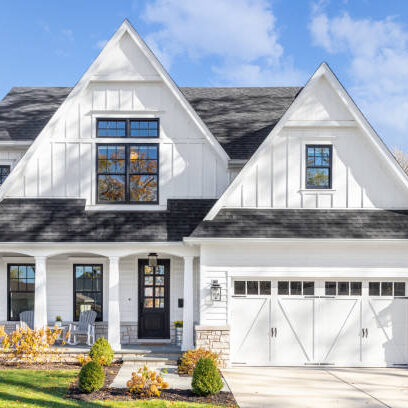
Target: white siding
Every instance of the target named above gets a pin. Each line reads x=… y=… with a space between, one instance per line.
x=64 y=164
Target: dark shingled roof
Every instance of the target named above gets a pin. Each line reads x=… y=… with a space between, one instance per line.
x=302 y=223
x=24 y=111
x=45 y=220
x=240 y=118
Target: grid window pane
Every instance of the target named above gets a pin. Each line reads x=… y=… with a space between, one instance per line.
x=330 y=288
x=308 y=288
x=343 y=288
x=111 y=128
x=374 y=288
x=386 y=288
x=295 y=288
x=144 y=128
x=88 y=289
x=265 y=288
x=355 y=288
x=252 y=287
x=143 y=188
x=239 y=287
x=283 y=288
x=21 y=289
x=399 y=288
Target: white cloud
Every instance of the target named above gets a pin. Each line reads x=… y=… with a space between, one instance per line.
x=237 y=34
x=376 y=52
x=68 y=34
x=100 y=44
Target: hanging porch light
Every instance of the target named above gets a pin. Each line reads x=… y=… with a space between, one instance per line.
x=152 y=259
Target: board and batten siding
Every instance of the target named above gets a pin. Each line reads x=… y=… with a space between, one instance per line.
x=123 y=84
x=361 y=176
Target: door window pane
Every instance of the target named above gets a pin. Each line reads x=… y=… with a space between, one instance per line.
x=20 y=302
x=399 y=288
x=374 y=288
x=283 y=288
x=343 y=288
x=265 y=288
x=239 y=287
x=386 y=288
x=252 y=287
x=295 y=288
x=148 y=280
x=308 y=288
x=355 y=288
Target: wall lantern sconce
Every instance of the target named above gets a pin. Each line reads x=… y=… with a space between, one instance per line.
x=215 y=291
x=152 y=259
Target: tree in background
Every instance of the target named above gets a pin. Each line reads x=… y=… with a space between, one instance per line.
x=402 y=158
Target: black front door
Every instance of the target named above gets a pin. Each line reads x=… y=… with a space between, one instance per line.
x=154 y=310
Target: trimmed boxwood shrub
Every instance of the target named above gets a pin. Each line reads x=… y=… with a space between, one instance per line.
x=206 y=378
x=102 y=352
x=91 y=377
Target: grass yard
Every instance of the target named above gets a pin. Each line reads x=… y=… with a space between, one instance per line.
x=46 y=389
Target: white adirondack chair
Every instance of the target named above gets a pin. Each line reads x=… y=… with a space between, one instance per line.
x=27 y=319
x=85 y=327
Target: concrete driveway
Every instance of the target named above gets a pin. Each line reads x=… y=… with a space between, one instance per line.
x=287 y=387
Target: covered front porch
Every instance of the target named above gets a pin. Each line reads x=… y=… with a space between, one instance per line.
x=136 y=302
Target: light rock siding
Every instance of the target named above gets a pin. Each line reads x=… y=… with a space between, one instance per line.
x=215 y=338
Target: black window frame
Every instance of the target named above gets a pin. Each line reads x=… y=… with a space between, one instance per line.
x=75 y=291
x=4 y=166
x=329 y=167
x=127 y=174
x=290 y=286
x=380 y=288
x=128 y=127
x=23 y=291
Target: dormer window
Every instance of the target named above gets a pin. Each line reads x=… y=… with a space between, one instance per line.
x=318 y=166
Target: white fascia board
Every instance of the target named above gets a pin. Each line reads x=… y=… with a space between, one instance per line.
x=15 y=143
x=194 y=240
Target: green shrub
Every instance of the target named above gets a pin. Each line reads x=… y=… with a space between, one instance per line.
x=91 y=377
x=206 y=378
x=102 y=352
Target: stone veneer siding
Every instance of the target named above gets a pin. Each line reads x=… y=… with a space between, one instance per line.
x=215 y=338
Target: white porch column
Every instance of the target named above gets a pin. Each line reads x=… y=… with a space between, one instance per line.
x=40 y=292
x=188 y=308
x=113 y=310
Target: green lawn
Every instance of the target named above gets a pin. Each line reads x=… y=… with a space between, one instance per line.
x=46 y=389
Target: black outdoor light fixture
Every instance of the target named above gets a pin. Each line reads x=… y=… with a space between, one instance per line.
x=152 y=259
x=215 y=291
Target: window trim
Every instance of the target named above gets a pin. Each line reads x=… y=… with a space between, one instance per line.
x=74 y=289
x=330 y=167
x=127 y=128
x=349 y=288
x=381 y=296
x=8 y=286
x=302 y=281
x=246 y=287
x=127 y=175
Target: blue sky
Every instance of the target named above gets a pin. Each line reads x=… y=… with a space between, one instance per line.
x=224 y=43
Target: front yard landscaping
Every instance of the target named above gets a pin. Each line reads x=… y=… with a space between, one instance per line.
x=21 y=388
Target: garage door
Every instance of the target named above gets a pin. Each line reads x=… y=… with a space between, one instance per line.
x=294 y=327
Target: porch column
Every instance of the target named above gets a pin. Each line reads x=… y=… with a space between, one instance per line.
x=40 y=292
x=188 y=308
x=113 y=310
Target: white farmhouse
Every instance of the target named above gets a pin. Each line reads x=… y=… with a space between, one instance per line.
x=273 y=221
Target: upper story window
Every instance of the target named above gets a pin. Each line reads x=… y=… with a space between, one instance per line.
x=4 y=172
x=318 y=166
x=127 y=173
x=140 y=128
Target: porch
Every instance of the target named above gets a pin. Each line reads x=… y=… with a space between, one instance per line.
x=137 y=304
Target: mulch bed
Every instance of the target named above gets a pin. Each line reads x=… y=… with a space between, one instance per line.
x=42 y=366
x=122 y=394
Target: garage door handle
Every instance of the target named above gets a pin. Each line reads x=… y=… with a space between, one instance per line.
x=274 y=331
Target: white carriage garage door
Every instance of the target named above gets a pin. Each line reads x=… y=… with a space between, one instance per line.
x=348 y=324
